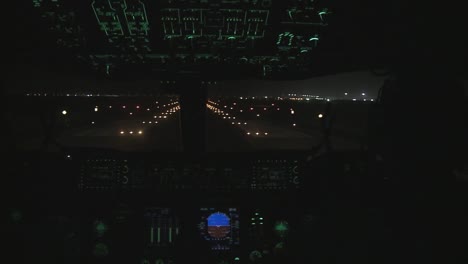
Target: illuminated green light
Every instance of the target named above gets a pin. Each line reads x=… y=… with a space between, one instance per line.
x=100 y=228
x=280 y=245
x=236 y=259
x=281 y=226
x=261 y=218
x=100 y=250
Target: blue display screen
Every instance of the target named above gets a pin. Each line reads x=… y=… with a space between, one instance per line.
x=218 y=219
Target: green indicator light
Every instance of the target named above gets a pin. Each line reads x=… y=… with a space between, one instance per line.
x=100 y=228
x=281 y=226
x=236 y=258
x=101 y=250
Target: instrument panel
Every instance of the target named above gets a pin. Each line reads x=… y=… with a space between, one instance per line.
x=117 y=174
x=107 y=34
x=175 y=208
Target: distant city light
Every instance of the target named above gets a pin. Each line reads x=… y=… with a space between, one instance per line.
x=122 y=132
x=320 y=116
x=140 y=132
x=96 y=109
x=131 y=132
x=64 y=112
x=345 y=93
x=248 y=133
x=294 y=125
x=92 y=122
x=354 y=99
x=257 y=133
x=363 y=94
x=266 y=134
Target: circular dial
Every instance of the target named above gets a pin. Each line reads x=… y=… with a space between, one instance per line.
x=218 y=225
